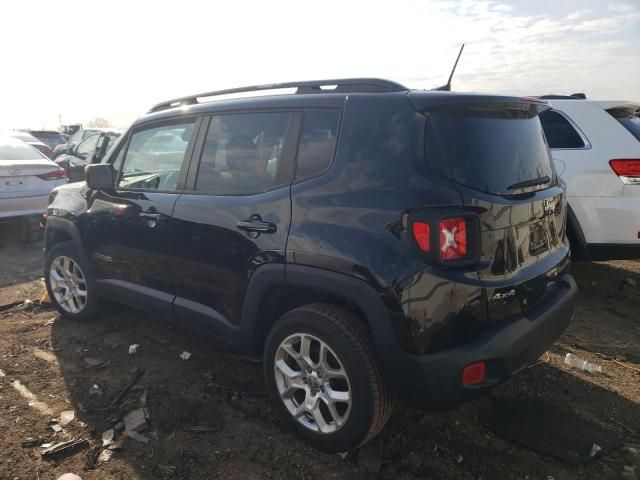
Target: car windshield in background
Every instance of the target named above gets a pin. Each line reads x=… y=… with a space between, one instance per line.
x=16 y=150
x=494 y=148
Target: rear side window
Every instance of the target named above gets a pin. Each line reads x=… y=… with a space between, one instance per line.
x=317 y=143
x=242 y=153
x=559 y=131
x=496 y=148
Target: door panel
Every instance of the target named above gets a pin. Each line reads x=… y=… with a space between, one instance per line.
x=129 y=228
x=236 y=218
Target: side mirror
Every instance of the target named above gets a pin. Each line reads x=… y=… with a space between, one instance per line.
x=99 y=176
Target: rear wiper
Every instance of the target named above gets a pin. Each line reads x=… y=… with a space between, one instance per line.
x=530 y=183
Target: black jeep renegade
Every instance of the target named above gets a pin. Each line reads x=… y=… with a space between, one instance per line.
x=368 y=241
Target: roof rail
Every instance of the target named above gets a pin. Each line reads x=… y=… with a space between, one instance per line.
x=573 y=96
x=344 y=85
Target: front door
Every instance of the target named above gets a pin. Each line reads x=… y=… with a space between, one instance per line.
x=236 y=217
x=129 y=225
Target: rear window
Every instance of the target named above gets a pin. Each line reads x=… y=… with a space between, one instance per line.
x=15 y=150
x=496 y=148
x=52 y=139
x=559 y=131
x=628 y=120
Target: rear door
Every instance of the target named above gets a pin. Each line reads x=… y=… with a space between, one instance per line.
x=497 y=155
x=128 y=233
x=235 y=218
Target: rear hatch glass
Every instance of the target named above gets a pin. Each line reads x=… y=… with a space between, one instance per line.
x=628 y=118
x=497 y=147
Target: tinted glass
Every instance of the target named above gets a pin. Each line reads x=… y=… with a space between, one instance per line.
x=242 y=153
x=155 y=156
x=317 y=143
x=631 y=123
x=488 y=147
x=559 y=131
x=16 y=150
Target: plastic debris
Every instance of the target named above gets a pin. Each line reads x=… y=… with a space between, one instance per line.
x=67 y=417
x=133 y=348
x=185 y=355
x=136 y=420
x=107 y=437
x=49 y=322
x=137 y=436
x=595 y=448
x=95 y=390
x=64 y=448
x=56 y=428
x=69 y=476
x=31 y=442
x=577 y=362
x=105 y=456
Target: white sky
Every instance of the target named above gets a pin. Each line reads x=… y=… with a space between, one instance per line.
x=82 y=59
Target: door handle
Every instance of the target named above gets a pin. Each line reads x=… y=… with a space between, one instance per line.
x=150 y=216
x=255 y=224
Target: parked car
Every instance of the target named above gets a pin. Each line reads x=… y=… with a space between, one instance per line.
x=596 y=147
x=29 y=139
x=26 y=179
x=90 y=150
x=48 y=137
x=367 y=241
x=76 y=138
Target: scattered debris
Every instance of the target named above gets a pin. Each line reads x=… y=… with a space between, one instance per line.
x=65 y=448
x=143 y=398
x=136 y=420
x=56 y=428
x=577 y=362
x=91 y=362
x=185 y=355
x=46 y=356
x=137 y=375
x=46 y=445
x=95 y=390
x=67 y=417
x=31 y=442
x=137 y=436
x=33 y=401
x=8 y=306
x=107 y=437
x=105 y=456
x=595 y=449
x=631 y=282
x=459 y=458
x=69 y=476
x=44 y=299
x=50 y=322
x=81 y=407
x=133 y=348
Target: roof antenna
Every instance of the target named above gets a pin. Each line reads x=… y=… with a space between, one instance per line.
x=447 y=87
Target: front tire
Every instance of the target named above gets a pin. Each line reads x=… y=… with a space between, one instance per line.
x=69 y=282
x=323 y=376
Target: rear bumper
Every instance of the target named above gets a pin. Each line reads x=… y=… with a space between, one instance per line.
x=435 y=380
x=22 y=206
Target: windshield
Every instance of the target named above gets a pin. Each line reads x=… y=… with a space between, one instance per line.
x=496 y=148
x=16 y=150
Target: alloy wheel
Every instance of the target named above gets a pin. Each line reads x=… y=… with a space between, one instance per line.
x=68 y=284
x=313 y=383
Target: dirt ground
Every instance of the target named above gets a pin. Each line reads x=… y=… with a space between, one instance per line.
x=210 y=418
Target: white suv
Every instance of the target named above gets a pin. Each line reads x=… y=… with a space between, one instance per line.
x=596 y=148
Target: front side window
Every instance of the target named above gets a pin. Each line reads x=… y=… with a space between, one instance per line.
x=559 y=131
x=242 y=153
x=317 y=143
x=154 y=157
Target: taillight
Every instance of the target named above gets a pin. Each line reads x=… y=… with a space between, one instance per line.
x=54 y=174
x=453 y=239
x=627 y=169
x=421 y=233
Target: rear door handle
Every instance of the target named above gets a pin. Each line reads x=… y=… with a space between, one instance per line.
x=150 y=216
x=255 y=224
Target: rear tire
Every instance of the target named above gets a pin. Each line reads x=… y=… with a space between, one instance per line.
x=70 y=283
x=333 y=396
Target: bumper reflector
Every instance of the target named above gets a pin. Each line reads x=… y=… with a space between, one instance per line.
x=473 y=374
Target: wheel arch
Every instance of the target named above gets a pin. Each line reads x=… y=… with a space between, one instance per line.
x=576 y=236
x=58 y=230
